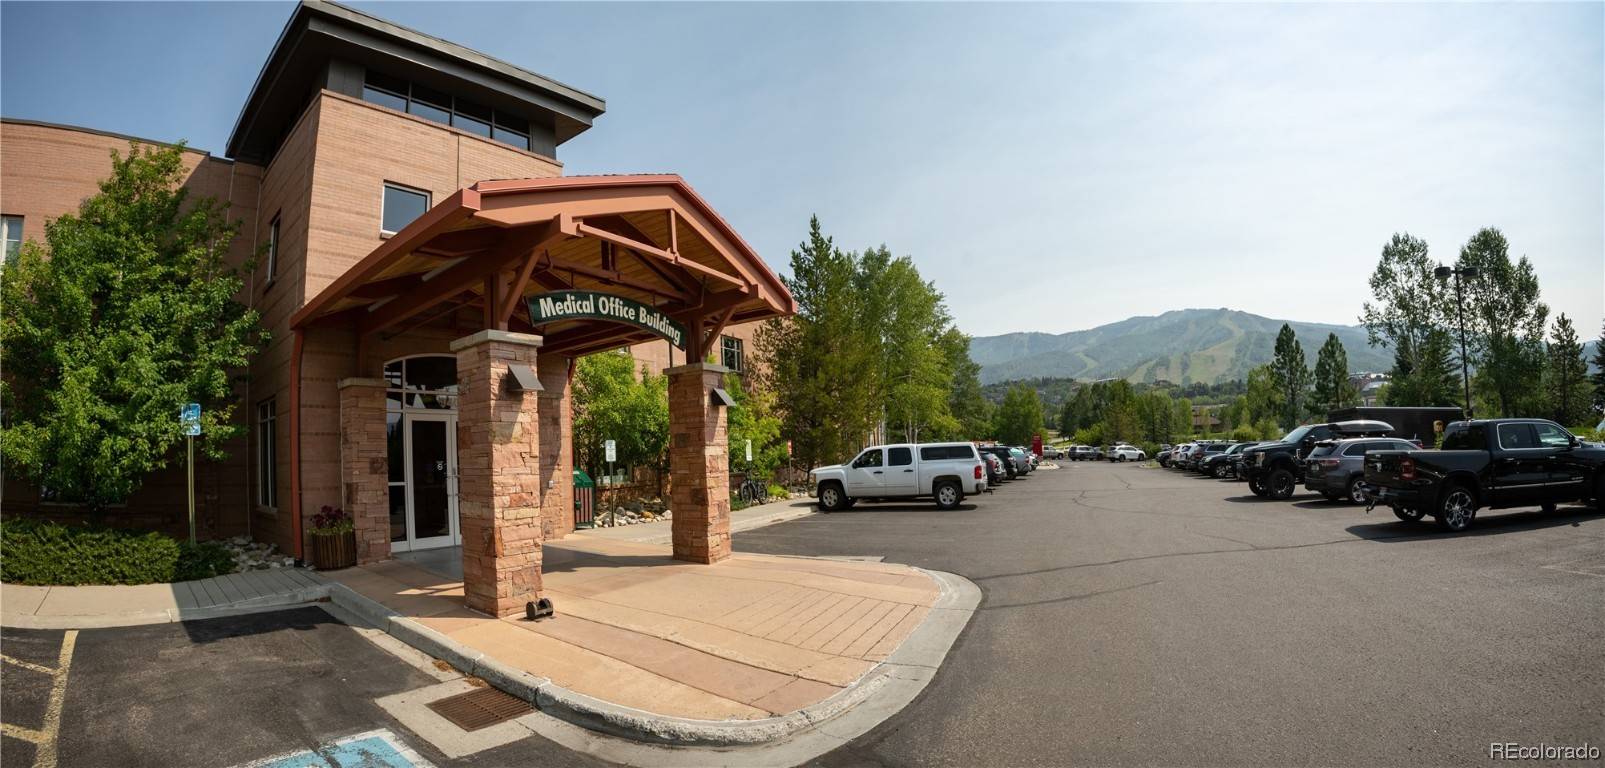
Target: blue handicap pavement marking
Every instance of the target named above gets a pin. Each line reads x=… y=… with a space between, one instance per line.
x=374 y=749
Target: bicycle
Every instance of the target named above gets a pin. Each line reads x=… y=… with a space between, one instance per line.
x=753 y=491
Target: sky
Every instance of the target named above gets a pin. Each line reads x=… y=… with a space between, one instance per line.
x=1050 y=167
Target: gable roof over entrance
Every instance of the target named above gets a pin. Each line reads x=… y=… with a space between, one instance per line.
x=649 y=238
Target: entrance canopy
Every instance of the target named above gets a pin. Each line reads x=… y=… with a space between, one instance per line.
x=617 y=259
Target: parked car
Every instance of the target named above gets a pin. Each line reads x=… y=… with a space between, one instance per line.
x=1163 y=457
x=1022 y=460
x=1006 y=457
x=1235 y=459
x=1336 y=468
x=1207 y=452
x=1176 y=455
x=1082 y=453
x=995 y=473
x=1492 y=464
x=941 y=471
x=1097 y=453
x=1219 y=464
x=1050 y=452
x=1276 y=469
x=1123 y=452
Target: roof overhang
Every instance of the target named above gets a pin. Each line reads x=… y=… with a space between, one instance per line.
x=490 y=247
x=321 y=31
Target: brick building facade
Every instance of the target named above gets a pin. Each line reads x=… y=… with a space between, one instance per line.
x=364 y=169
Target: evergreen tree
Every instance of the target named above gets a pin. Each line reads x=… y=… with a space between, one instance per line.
x=1428 y=377
x=1290 y=375
x=1331 y=378
x=1598 y=376
x=126 y=314
x=1566 y=383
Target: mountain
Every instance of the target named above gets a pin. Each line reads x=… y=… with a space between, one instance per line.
x=1182 y=346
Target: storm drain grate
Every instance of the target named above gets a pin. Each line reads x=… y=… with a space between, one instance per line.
x=480 y=708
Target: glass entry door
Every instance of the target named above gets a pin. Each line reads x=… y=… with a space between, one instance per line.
x=431 y=495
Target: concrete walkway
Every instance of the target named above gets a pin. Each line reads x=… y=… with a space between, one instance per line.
x=756 y=516
x=86 y=607
x=750 y=638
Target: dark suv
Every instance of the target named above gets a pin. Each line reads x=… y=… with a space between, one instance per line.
x=1275 y=469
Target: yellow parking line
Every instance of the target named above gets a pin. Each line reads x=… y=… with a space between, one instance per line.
x=44 y=739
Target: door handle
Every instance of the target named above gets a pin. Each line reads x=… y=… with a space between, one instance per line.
x=908 y=470
x=877 y=472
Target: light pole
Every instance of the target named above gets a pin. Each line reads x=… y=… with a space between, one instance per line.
x=1460 y=313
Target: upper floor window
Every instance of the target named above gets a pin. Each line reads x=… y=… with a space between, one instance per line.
x=273 y=249
x=11 y=229
x=446 y=109
x=401 y=206
x=731 y=347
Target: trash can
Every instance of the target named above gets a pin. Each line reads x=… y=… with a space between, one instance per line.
x=584 y=500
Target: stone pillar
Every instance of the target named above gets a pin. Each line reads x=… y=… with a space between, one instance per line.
x=699 y=466
x=365 y=465
x=556 y=447
x=498 y=473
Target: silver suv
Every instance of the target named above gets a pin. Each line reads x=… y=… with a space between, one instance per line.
x=1336 y=468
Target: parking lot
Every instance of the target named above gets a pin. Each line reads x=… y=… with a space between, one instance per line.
x=1138 y=616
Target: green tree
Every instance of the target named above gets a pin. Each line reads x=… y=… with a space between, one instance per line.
x=1409 y=314
x=1181 y=418
x=1263 y=399
x=1331 y=379
x=821 y=367
x=753 y=418
x=1427 y=376
x=1505 y=321
x=611 y=403
x=970 y=410
x=1019 y=418
x=1289 y=374
x=127 y=313
x=1598 y=377
x=1566 y=383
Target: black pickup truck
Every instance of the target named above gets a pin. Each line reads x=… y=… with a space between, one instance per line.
x=1275 y=469
x=1494 y=464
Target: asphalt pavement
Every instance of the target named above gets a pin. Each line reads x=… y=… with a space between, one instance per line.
x=1140 y=616
x=275 y=689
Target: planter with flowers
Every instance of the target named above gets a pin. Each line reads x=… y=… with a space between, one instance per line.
x=334 y=539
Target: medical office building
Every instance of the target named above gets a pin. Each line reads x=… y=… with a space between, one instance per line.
x=409 y=206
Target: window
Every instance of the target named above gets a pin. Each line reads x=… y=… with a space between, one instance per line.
x=1515 y=437
x=899 y=457
x=946 y=452
x=446 y=109
x=12 y=226
x=267 y=474
x=1469 y=438
x=732 y=352
x=869 y=458
x=1551 y=436
x=401 y=207
x=1361 y=449
x=426 y=381
x=273 y=249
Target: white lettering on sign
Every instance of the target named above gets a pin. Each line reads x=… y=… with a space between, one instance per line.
x=570 y=305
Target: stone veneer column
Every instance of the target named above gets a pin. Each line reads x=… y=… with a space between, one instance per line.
x=699 y=467
x=556 y=447
x=365 y=465
x=498 y=473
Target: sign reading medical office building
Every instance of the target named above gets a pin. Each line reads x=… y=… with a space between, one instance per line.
x=590 y=305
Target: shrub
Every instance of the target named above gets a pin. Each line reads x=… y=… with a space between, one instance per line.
x=776 y=489
x=46 y=553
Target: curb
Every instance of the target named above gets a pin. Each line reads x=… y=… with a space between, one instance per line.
x=300 y=597
x=881 y=692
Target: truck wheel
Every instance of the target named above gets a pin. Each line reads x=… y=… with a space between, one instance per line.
x=1255 y=485
x=1280 y=484
x=948 y=495
x=831 y=497
x=1456 y=508
x=1356 y=492
x=1407 y=514
x=1223 y=471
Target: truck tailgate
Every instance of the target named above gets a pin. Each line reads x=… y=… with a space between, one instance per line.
x=1382 y=468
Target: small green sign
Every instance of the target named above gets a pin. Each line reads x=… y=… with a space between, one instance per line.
x=558 y=306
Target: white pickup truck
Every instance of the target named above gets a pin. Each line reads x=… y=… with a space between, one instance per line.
x=941 y=471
